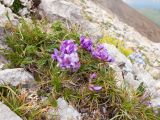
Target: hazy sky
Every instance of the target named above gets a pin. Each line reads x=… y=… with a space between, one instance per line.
x=144 y=3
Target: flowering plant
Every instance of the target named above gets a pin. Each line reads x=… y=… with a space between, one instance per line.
x=67 y=57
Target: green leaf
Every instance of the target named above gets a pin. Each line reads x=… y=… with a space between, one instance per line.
x=141 y=89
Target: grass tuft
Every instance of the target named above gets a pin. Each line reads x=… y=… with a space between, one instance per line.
x=18 y=102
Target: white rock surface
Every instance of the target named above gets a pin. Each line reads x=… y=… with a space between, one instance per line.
x=5 y=13
x=8 y=2
x=69 y=11
x=15 y=76
x=23 y=11
x=64 y=111
x=3 y=61
x=26 y=3
x=119 y=57
x=7 y=114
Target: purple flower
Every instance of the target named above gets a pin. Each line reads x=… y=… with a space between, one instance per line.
x=55 y=55
x=70 y=61
x=86 y=43
x=67 y=57
x=93 y=76
x=68 y=47
x=94 y=88
x=102 y=53
x=91 y=86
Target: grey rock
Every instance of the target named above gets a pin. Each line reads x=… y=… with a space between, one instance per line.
x=3 y=61
x=2 y=37
x=5 y=13
x=23 y=12
x=122 y=65
x=8 y=2
x=71 y=12
x=15 y=77
x=64 y=112
x=119 y=57
x=7 y=114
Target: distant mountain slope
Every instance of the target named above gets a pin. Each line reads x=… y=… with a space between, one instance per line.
x=153 y=14
x=131 y=17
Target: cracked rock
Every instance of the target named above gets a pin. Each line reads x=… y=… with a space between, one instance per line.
x=15 y=77
x=7 y=114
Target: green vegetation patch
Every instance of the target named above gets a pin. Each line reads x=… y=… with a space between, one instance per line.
x=118 y=44
x=17 y=6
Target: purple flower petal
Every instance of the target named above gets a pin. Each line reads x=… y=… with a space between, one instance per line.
x=68 y=46
x=90 y=87
x=86 y=43
x=110 y=59
x=102 y=53
x=94 y=88
x=55 y=55
x=93 y=76
x=67 y=57
x=97 y=88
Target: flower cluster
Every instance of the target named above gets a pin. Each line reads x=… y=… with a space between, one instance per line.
x=67 y=57
x=100 y=52
x=86 y=43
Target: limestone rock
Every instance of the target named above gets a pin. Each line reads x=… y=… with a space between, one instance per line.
x=15 y=76
x=6 y=13
x=23 y=11
x=71 y=12
x=26 y=3
x=68 y=10
x=2 y=42
x=7 y=114
x=64 y=112
x=3 y=61
x=155 y=72
x=122 y=65
x=119 y=57
x=8 y=2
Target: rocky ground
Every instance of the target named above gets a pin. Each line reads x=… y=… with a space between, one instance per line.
x=142 y=66
x=125 y=13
